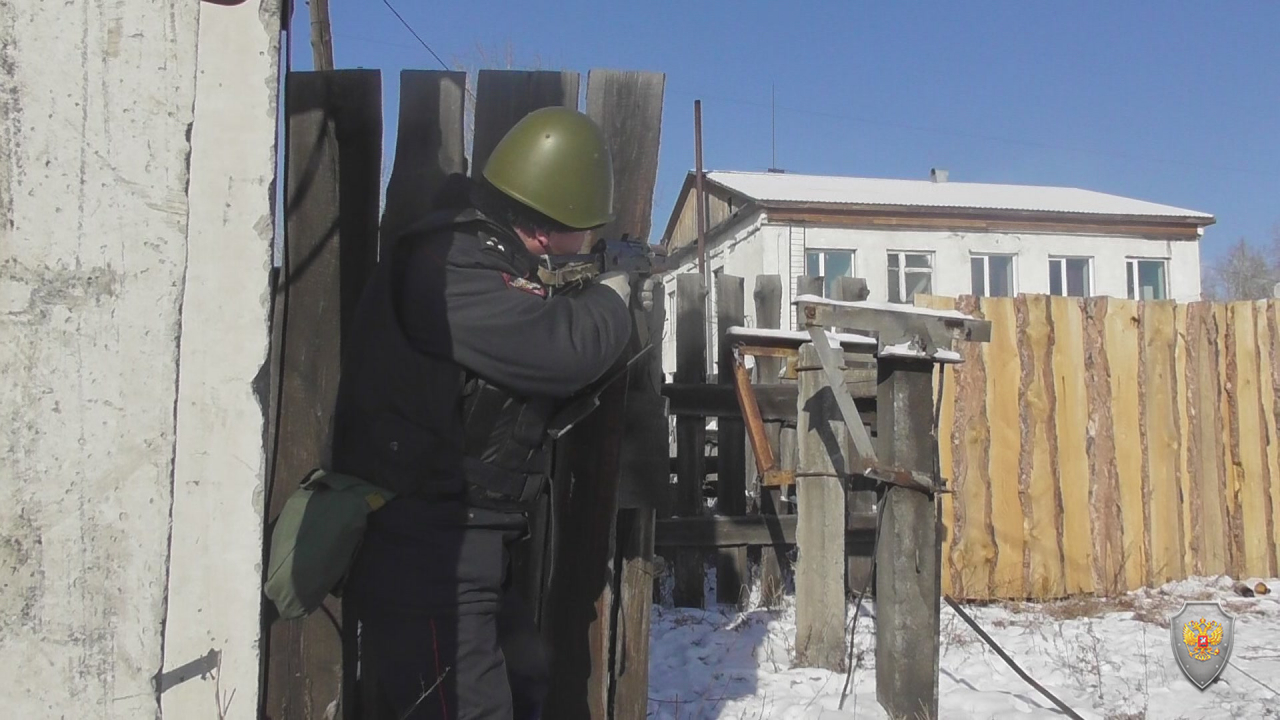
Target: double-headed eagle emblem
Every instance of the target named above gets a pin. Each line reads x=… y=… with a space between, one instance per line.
x=1201 y=638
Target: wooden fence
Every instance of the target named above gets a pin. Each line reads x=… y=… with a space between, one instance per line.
x=1101 y=445
x=749 y=522
x=595 y=614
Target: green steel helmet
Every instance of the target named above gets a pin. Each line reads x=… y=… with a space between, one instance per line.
x=555 y=160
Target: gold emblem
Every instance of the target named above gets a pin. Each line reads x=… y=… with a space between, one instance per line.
x=1201 y=638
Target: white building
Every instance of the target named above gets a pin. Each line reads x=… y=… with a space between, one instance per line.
x=933 y=237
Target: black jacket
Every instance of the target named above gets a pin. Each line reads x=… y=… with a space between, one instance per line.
x=458 y=292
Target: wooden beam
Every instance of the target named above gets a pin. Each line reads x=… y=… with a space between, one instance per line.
x=820 y=573
x=628 y=107
x=732 y=571
x=776 y=402
x=429 y=146
x=909 y=556
x=691 y=364
x=332 y=168
x=859 y=567
x=773 y=561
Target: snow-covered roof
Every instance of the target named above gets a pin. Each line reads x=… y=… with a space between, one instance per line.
x=839 y=190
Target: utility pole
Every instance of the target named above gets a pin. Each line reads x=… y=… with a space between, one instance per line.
x=321 y=36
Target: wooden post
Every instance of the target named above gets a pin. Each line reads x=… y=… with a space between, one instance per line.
x=628 y=107
x=732 y=571
x=691 y=432
x=429 y=146
x=909 y=558
x=820 y=534
x=332 y=169
x=858 y=550
x=773 y=559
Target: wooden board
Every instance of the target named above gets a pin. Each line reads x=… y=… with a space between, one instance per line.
x=773 y=561
x=732 y=572
x=1208 y=499
x=1122 y=327
x=1229 y=429
x=333 y=163
x=429 y=146
x=1248 y=443
x=820 y=535
x=1108 y=534
x=1043 y=555
x=1072 y=422
x=1161 y=443
x=1182 y=401
x=1004 y=374
x=503 y=97
x=1271 y=446
x=1272 y=410
x=691 y=368
x=972 y=554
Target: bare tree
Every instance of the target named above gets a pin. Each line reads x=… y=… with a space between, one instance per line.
x=1244 y=273
x=503 y=58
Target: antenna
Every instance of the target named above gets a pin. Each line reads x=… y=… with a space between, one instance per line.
x=773 y=128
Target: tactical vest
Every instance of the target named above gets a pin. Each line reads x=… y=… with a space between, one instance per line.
x=423 y=425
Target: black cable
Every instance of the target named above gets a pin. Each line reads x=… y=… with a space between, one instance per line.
x=415 y=34
x=1009 y=661
x=857 y=607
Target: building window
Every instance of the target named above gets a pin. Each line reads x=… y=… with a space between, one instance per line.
x=992 y=275
x=1147 y=279
x=828 y=265
x=909 y=273
x=1070 y=277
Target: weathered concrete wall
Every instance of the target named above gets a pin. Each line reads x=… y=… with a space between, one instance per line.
x=135 y=228
x=216 y=559
x=95 y=104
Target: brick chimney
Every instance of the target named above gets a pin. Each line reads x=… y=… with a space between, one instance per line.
x=938 y=175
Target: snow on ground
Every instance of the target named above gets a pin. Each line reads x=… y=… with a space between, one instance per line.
x=1108 y=659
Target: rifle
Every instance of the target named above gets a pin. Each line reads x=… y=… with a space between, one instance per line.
x=633 y=256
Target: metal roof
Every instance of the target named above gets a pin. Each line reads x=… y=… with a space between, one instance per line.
x=836 y=190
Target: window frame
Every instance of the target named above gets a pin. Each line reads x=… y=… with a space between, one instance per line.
x=1062 y=275
x=986 y=273
x=821 y=253
x=1133 y=276
x=903 y=270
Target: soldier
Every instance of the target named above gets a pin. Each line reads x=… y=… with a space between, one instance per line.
x=459 y=360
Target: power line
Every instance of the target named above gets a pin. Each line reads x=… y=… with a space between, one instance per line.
x=415 y=34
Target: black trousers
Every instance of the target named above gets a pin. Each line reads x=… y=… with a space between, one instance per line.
x=442 y=637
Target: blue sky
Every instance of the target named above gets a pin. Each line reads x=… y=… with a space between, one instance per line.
x=1172 y=102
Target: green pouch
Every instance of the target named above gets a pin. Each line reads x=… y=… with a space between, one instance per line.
x=315 y=538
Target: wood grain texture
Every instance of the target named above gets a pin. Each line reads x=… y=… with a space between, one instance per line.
x=1104 y=499
x=332 y=171
x=773 y=561
x=1123 y=326
x=1247 y=441
x=1270 y=447
x=732 y=572
x=1183 y=403
x=1273 y=408
x=1071 y=426
x=1160 y=388
x=1229 y=429
x=823 y=451
x=1004 y=408
x=1044 y=553
x=972 y=556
